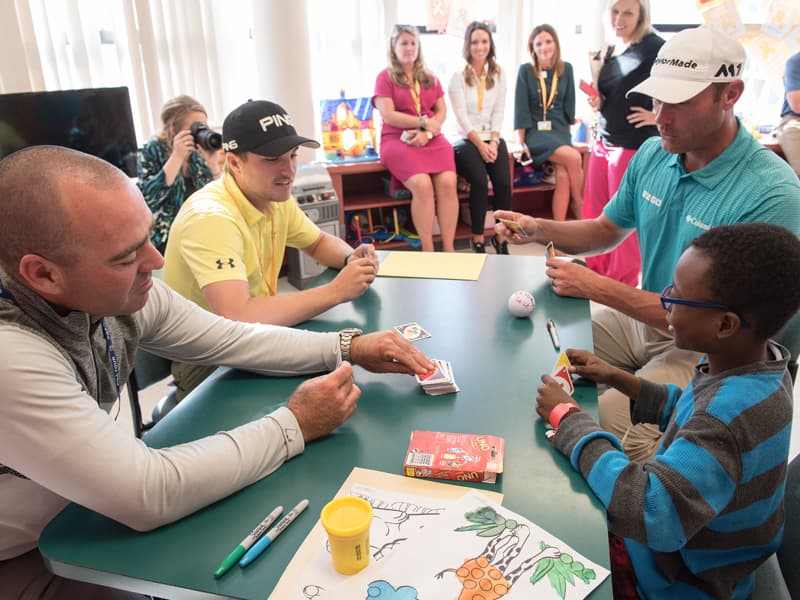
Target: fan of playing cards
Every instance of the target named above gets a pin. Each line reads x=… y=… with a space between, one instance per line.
x=440 y=380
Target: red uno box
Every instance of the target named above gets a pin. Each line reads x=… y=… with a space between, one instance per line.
x=454 y=456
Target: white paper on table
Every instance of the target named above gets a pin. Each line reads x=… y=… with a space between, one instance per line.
x=300 y=573
x=514 y=558
x=397 y=519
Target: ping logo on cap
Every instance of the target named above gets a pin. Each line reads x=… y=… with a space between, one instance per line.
x=277 y=120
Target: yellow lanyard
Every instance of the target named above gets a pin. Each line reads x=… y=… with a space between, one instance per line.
x=272 y=282
x=481 y=91
x=414 y=89
x=543 y=89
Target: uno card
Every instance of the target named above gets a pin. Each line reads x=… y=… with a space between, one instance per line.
x=550 y=250
x=561 y=373
x=412 y=331
x=435 y=376
x=588 y=89
x=514 y=227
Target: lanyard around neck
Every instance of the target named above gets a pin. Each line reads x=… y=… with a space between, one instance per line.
x=543 y=90
x=481 y=92
x=272 y=281
x=112 y=356
x=414 y=89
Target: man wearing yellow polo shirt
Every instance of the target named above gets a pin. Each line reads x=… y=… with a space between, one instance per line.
x=227 y=242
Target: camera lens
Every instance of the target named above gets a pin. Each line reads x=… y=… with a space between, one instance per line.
x=204 y=137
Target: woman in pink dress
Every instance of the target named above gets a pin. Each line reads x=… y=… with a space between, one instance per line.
x=412 y=106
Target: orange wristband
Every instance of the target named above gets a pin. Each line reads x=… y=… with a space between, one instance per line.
x=559 y=411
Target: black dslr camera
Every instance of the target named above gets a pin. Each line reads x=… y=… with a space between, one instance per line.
x=203 y=136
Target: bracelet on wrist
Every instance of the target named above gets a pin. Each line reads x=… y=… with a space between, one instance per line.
x=346 y=259
x=423 y=122
x=559 y=412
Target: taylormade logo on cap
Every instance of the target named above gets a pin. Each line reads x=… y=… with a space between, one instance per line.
x=675 y=62
x=691 y=61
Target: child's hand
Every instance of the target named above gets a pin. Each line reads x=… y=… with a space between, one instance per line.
x=588 y=365
x=548 y=396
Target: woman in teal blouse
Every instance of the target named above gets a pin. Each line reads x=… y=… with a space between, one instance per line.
x=171 y=166
x=544 y=109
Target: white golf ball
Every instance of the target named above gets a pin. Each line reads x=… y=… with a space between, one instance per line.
x=521 y=303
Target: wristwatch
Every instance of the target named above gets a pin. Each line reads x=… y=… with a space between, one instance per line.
x=345 y=339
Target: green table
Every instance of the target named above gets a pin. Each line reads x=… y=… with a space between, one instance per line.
x=497 y=360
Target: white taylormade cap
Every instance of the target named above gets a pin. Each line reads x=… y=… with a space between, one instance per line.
x=689 y=62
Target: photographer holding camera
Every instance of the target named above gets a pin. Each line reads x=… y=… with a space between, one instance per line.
x=181 y=158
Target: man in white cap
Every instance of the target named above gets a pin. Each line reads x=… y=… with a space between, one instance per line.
x=228 y=240
x=789 y=127
x=705 y=170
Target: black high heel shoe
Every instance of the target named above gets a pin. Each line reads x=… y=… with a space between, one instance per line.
x=478 y=247
x=499 y=247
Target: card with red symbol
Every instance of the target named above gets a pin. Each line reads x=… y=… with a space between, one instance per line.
x=412 y=331
x=562 y=375
x=440 y=380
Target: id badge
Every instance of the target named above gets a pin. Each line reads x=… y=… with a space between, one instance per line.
x=544 y=126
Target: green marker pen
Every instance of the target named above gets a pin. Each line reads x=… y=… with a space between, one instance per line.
x=245 y=544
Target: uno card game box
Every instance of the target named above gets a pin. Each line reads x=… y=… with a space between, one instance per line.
x=454 y=456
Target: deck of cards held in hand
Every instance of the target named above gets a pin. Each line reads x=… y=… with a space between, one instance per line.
x=562 y=376
x=440 y=380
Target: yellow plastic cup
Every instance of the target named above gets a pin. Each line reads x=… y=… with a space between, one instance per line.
x=347 y=521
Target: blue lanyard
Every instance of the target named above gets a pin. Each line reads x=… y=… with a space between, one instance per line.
x=112 y=356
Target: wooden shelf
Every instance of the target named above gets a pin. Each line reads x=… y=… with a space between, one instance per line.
x=363 y=201
x=360 y=187
x=541 y=187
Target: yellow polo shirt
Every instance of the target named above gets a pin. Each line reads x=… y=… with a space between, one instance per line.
x=218 y=235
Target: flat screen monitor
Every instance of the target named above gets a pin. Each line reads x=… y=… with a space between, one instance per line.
x=97 y=121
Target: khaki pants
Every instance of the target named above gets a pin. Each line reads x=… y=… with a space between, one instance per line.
x=648 y=353
x=26 y=578
x=187 y=377
x=789 y=139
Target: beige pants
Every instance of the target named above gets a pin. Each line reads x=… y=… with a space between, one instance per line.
x=187 y=377
x=26 y=578
x=789 y=139
x=647 y=352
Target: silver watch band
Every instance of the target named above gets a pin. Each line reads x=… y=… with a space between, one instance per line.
x=345 y=339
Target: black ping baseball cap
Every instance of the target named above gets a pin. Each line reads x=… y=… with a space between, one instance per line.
x=261 y=127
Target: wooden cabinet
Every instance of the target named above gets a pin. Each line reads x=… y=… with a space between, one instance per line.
x=360 y=187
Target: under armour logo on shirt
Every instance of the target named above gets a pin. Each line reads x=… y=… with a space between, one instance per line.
x=221 y=264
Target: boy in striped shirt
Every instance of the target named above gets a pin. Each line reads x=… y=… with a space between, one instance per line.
x=707 y=510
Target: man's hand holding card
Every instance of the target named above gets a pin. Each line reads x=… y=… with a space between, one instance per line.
x=515 y=227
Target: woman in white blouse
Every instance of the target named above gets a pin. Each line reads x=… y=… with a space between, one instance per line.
x=477 y=96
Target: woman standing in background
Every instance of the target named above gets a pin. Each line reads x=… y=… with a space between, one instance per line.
x=624 y=124
x=411 y=102
x=544 y=109
x=171 y=166
x=477 y=96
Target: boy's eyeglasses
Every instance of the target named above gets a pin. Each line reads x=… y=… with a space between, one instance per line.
x=667 y=300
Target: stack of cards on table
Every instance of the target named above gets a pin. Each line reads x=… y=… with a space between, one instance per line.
x=440 y=380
